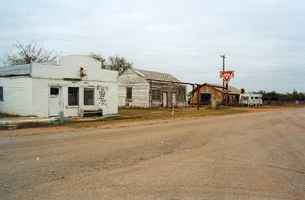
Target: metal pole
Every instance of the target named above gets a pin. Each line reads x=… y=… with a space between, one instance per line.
x=198 y=98
x=150 y=94
x=223 y=80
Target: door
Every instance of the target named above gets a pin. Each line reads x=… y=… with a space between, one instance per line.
x=205 y=99
x=55 y=104
x=174 y=100
x=164 y=99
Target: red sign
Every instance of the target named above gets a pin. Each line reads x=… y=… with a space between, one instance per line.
x=227 y=75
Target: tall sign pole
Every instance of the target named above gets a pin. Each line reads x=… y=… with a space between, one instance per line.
x=223 y=80
x=226 y=76
x=223 y=69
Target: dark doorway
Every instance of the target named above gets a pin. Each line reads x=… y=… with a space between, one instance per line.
x=205 y=99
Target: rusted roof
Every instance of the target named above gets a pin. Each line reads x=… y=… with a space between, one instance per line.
x=231 y=90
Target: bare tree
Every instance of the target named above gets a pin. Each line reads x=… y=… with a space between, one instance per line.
x=29 y=53
x=99 y=58
x=119 y=64
x=116 y=63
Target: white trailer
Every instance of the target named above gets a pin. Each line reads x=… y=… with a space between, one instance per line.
x=251 y=99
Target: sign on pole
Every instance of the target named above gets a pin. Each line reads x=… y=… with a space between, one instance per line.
x=226 y=75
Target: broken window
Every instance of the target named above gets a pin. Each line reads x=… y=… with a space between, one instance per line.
x=73 y=96
x=129 y=93
x=156 y=95
x=88 y=96
x=181 y=93
x=1 y=93
x=54 y=91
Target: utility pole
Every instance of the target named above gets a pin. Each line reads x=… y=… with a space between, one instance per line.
x=223 y=68
x=223 y=80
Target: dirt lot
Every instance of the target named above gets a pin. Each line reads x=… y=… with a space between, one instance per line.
x=243 y=156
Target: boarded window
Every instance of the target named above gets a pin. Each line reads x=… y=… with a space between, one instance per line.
x=89 y=96
x=181 y=93
x=129 y=93
x=54 y=91
x=1 y=93
x=73 y=96
x=156 y=95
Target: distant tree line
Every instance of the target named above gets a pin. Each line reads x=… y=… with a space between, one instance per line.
x=274 y=96
x=34 y=53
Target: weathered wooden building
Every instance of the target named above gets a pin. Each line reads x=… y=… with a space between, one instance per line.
x=209 y=92
x=142 y=88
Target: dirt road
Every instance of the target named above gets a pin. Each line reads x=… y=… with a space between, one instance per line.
x=244 y=156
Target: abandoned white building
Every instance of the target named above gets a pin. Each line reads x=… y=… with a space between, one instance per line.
x=142 y=88
x=74 y=86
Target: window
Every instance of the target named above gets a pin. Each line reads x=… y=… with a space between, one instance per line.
x=54 y=91
x=1 y=93
x=181 y=93
x=73 y=96
x=156 y=95
x=129 y=93
x=89 y=96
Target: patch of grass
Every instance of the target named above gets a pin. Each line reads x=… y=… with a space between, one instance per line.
x=141 y=114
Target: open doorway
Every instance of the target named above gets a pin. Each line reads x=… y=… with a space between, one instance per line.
x=205 y=99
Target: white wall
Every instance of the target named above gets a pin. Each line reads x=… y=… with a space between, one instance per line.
x=70 y=68
x=46 y=75
x=140 y=89
x=17 y=95
x=109 y=104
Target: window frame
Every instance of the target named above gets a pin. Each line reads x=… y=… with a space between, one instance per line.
x=54 y=95
x=129 y=90
x=93 y=95
x=158 y=95
x=76 y=96
x=1 y=94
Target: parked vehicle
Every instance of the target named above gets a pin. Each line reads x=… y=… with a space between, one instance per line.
x=251 y=99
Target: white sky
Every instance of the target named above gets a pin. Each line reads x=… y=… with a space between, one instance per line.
x=263 y=39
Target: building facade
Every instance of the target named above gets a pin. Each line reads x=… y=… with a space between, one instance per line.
x=209 y=92
x=71 y=87
x=142 y=88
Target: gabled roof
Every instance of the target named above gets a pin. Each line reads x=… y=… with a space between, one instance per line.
x=155 y=75
x=231 y=89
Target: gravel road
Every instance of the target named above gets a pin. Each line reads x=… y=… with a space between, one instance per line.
x=244 y=156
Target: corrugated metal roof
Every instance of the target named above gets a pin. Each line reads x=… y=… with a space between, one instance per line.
x=15 y=70
x=156 y=75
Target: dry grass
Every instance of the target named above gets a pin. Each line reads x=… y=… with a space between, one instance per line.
x=140 y=115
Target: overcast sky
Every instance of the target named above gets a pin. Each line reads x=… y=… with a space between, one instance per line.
x=263 y=39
